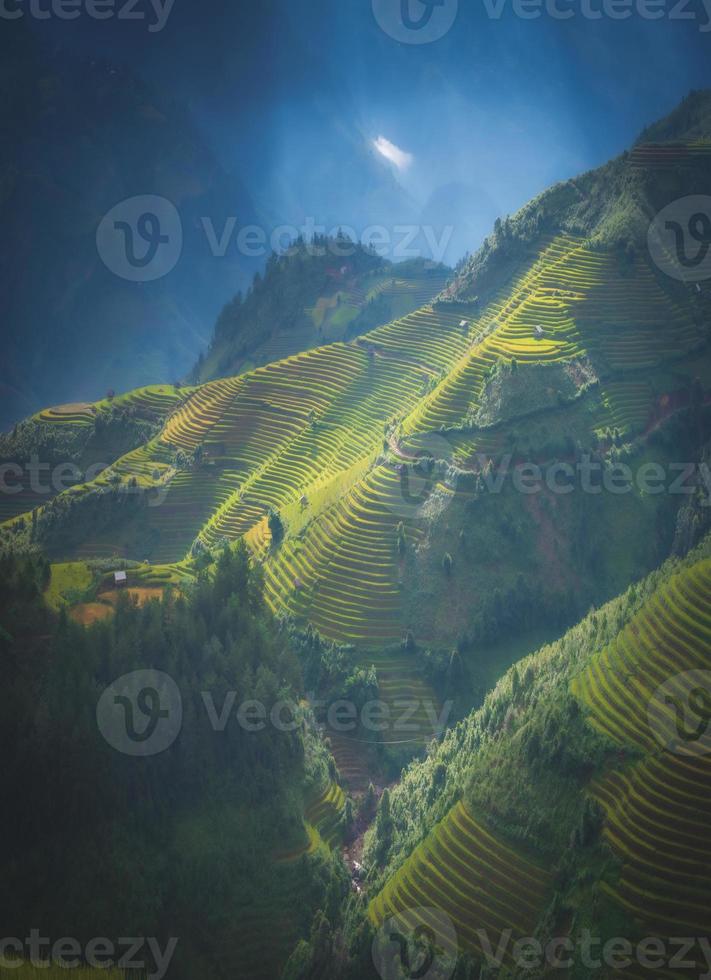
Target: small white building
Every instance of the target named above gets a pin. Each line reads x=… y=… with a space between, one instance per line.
x=538 y=332
x=120 y=580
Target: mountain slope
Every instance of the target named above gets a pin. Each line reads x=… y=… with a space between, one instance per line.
x=377 y=479
x=185 y=841
x=610 y=208
x=325 y=289
x=582 y=722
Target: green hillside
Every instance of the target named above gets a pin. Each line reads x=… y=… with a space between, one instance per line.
x=61 y=446
x=363 y=473
x=610 y=207
x=470 y=832
x=317 y=291
x=386 y=483
x=189 y=841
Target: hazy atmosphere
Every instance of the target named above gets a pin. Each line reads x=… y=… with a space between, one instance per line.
x=355 y=489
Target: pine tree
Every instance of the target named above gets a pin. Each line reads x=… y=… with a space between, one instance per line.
x=276 y=526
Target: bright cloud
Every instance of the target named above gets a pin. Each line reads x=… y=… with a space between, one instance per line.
x=394 y=154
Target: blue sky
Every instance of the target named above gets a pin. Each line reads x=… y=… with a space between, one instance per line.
x=292 y=94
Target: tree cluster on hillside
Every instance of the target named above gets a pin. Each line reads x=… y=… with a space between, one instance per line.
x=277 y=299
x=114 y=431
x=177 y=844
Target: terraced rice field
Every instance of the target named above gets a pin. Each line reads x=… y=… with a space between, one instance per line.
x=402 y=294
x=321 y=824
x=352 y=761
x=431 y=338
x=80 y=413
x=333 y=313
x=570 y=301
x=282 y=345
x=479 y=882
x=325 y=812
x=631 y=321
x=627 y=406
x=17 y=497
x=343 y=573
x=408 y=714
x=191 y=499
x=154 y=402
x=305 y=435
x=286 y=430
x=412 y=704
x=657 y=810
